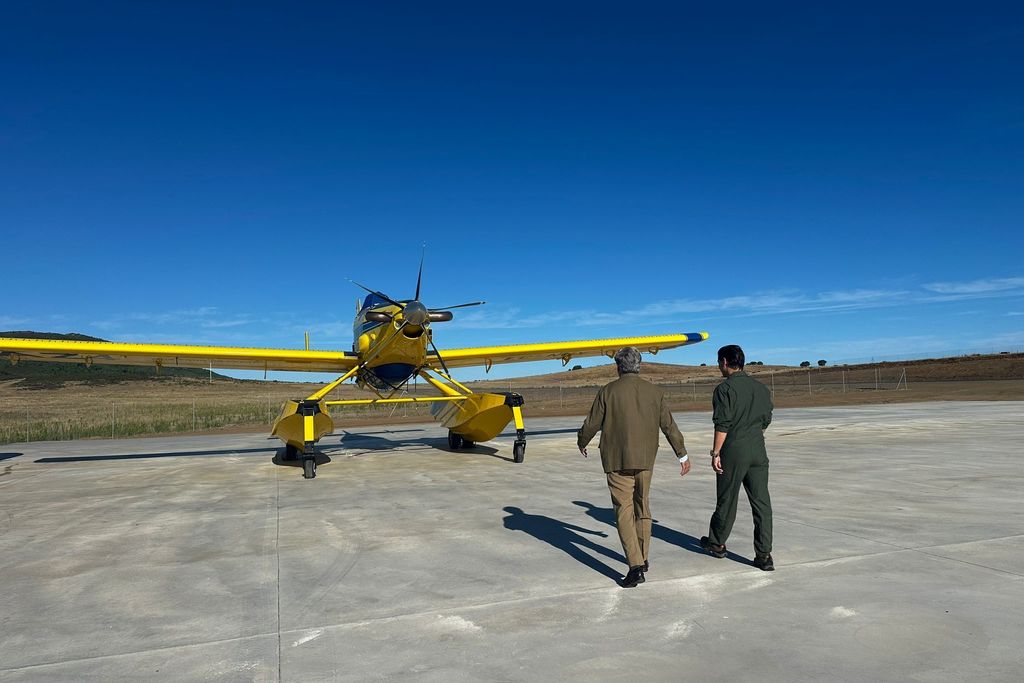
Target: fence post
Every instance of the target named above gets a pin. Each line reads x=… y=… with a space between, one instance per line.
x=193 y=415
x=111 y=420
x=772 y=372
x=844 y=381
x=876 y=379
x=694 y=385
x=808 y=381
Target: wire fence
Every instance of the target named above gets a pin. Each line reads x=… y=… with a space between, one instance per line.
x=76 y=419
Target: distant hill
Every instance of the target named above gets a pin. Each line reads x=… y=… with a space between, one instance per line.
x=659 y=373
x=977 y=367
x=38 y=375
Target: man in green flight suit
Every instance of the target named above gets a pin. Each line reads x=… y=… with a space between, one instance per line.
x=629 y=412
x=742 y=411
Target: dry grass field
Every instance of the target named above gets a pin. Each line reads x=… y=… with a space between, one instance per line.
x=182 y=405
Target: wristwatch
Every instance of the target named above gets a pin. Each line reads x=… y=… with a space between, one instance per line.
x=714 y=453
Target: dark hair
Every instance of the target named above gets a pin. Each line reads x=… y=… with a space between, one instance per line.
x=733 y=356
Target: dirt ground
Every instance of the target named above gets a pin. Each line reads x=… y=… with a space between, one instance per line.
x=195 y=406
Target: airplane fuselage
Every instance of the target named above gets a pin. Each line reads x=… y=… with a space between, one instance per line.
x=393 y=342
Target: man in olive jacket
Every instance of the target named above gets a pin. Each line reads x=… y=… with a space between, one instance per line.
x=629 y=412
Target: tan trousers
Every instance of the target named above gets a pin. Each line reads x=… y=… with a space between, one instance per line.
x=630 y=491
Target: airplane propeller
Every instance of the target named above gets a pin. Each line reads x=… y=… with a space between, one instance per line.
x=414 y=313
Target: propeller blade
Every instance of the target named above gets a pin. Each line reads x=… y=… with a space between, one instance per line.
x=430 y=338
x=446 y=308
x=382 y=295
x=419 y=277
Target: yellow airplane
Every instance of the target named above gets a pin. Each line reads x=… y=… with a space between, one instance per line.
x=392 y=344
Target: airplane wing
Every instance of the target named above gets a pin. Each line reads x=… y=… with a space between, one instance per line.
x=564 y=351
x=176 y=356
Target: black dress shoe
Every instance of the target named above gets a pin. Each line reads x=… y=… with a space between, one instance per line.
x=633 y=578
x=718 y=551
x=764 y=562
x=647 y=566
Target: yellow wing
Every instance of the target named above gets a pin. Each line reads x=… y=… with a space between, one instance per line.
x=564 y=351
x=175 y=356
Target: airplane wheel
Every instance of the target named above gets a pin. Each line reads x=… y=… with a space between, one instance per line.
x=455 y=441
x=309 y=468
x=466 y=443
x=519 y=451
x=290 y=452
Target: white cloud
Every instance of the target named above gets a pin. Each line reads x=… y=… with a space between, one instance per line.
x=983 y=286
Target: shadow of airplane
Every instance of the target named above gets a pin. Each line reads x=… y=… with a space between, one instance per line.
x=539 y=432
x=278 y=459
x=564 y=536
x=663 y=533
x=146 y=456
x=8 y=456
x=367 y=442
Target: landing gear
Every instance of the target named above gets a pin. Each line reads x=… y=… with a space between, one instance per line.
x=308 y=466
x=515 y=402
x=291 y=452
x=309 y=460
x=455 y=441
x=519 y=451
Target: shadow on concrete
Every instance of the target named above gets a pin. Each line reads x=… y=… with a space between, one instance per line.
x=539 y=432
x=662 y=533
x=389 y=431
x=8 y=456
x=146 y=456
x=321 y=459
x=366 y=442
x=563 y=536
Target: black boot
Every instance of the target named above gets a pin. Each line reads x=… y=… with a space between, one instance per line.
x=764 y=562
x=718 y=551
x=634 y=577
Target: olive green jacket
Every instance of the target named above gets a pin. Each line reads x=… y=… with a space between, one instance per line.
x=743 y=410
x=629 y=412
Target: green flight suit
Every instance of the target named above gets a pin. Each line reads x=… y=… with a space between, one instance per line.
x=743 y=410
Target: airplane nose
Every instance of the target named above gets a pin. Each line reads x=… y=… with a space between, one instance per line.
x=415 y=313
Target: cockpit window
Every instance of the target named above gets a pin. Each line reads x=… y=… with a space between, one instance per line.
x=373 y=301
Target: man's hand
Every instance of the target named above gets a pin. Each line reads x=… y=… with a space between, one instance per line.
x=583 y=451
x=684 y=468
x=716 y=464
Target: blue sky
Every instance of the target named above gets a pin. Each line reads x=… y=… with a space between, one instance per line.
x=805 y=180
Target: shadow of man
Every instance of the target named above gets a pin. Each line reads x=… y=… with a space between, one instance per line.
x=663 y=533
x=563 y=536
